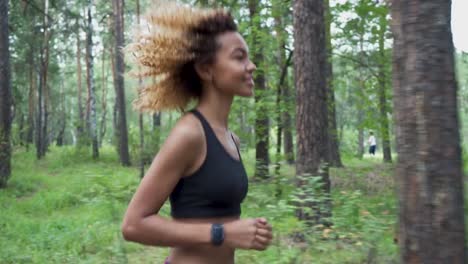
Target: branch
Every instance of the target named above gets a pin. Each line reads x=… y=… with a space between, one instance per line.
x=33 y=5
x=360 y=63
x=285 y=68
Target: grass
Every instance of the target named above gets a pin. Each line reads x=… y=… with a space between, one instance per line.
x=68 y=208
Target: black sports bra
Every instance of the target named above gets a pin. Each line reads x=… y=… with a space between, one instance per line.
x=217 y=188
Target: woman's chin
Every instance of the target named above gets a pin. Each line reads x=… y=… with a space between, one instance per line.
x=246 y=94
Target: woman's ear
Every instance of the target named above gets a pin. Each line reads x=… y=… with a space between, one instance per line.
x=204 y=71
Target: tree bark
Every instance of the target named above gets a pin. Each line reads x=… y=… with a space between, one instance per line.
x=81 y=123
x=156 y=130
x=310 y=66
x=62 y=122
x=262 y=159
x=119 y=83
x=115 y=118
x=429 y=169
x=382 y=80
x=43 y=95
x=103 y=126
x=5 y=97
x=31 y=99
x=288 y=124
x=92 y=119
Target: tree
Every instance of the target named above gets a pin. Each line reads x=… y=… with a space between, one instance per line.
x=103 y=125
x=382 y=80
x=62 y=122
x=119 y=84
x=31 y=96
x=334 y=151
x=5 y=96
x=360 y=93
x=80 y=122
x=282 y=115
x=140 y=115
x=262 y=159
x=43 y=90
x=310 y=66
x=91 y=105
x=429 y=169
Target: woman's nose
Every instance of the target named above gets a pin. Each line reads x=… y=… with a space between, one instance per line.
x=251 y=66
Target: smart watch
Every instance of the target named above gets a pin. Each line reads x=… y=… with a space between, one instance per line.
x=217 y=234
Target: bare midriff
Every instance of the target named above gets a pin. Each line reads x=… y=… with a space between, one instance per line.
x=203 y=254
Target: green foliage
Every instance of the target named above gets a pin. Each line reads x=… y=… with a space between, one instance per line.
x=64 y=209
x=67 y=208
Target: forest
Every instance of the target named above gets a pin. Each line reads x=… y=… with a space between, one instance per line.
x=332 y=77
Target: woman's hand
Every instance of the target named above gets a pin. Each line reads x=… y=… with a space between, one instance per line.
x=253 y=233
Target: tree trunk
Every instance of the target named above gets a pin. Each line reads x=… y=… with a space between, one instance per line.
x=287 y=125
x=62 y=122
x=333 y=145
x=156 y=130
x=115 y=121
x=382 y=76
x=81 y=123
x=140 y=116
x=21 y=128
x=39 y=117
x=90 y=81
x=43 y=95
x=360 y=142
x=31 y=99
x=5 y=97
x=429 y=169
x=279 y=132
x=310 y=66
x=119 y=83
x=262 y=159
x=102 y=131
x=281 y=58
x=360 y=98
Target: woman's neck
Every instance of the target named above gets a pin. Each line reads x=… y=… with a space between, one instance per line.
x=216 y=107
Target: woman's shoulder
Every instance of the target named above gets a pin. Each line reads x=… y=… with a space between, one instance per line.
x=188 y=130
x=182 y=147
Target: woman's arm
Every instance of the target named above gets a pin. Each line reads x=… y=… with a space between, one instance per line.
x=177 y=156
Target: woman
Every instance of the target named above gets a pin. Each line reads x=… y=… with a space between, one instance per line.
x=194 y=54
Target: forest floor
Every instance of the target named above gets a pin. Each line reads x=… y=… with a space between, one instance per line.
x=68 y=208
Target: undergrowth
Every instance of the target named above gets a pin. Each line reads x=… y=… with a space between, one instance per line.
x=68 y=208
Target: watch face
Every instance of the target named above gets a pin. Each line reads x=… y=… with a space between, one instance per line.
x=217 y=234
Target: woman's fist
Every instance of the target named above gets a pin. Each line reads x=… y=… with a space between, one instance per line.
x=248 y=234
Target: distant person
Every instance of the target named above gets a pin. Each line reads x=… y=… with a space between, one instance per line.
x=372 y=144
x=194 y=55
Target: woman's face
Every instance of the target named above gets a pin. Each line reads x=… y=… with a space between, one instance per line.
x=232 y=70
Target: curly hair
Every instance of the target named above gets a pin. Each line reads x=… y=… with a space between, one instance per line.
x=165 y=50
